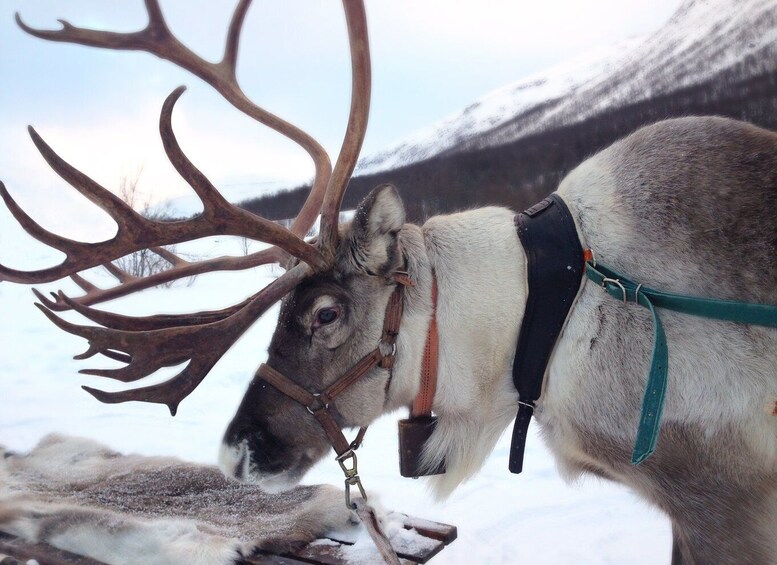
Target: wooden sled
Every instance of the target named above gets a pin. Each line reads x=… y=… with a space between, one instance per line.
x=429 y=539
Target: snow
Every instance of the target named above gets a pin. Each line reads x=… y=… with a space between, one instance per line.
x=591 y=522
x=702 y=39
x=364 y=552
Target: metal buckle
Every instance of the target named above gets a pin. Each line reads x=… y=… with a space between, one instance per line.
x=529 y=405
x=316 y=400
x=355 y=444
x=347 y=455
x=351 y=476
x=393 y=348
x=616 y=282
x=636 y=293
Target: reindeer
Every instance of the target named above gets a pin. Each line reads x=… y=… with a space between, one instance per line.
x=685 y=206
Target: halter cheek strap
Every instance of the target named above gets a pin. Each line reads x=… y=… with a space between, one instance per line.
x=318 y=403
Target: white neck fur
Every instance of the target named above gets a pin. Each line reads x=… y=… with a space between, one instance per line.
x=480 y=267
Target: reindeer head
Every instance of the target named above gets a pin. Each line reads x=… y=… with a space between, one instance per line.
x=327 y=324
x=335 y=291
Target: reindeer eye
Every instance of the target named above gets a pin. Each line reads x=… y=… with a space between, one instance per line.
x=327 y=316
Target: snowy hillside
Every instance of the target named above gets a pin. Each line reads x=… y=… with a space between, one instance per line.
x=498 y=107
x=703 y=39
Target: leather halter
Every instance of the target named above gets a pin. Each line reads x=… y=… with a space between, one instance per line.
x=318 y=404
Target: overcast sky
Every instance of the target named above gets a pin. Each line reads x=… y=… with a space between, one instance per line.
x=99 y=109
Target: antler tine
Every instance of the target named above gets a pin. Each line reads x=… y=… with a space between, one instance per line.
x=115 y=321
x=229 y=61
x=157 y=39
x=82 y=283
x=169 y=256
x=211 y=199
x=33 y=228
x=121 y=275
x=155 y=17
x=201 y=344
x=356 y=21
x=96 y=295
x=217 y=209
x=68 y=246
x=127 y=219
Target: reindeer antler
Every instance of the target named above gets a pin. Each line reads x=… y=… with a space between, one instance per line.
x=157 y=39
x=148 y=343
x=356 y=20
x=136 y=232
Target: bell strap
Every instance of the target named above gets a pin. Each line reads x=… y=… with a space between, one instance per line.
x=627 y=290
x=422 y=404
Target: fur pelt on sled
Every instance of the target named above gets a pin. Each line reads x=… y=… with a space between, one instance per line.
x=81 y=496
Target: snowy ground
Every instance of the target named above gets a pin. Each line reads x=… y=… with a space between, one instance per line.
x=532 y=518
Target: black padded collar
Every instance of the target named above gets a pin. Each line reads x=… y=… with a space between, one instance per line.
x=554 y=273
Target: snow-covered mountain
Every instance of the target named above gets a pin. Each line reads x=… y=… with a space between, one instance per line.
x=496 y=108
x=702 y=40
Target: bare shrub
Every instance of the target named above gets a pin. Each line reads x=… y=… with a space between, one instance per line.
x=144 y=262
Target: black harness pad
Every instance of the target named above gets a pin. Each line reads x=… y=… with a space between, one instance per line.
x=555 y=264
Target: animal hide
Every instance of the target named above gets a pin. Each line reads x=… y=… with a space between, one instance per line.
x=83 y=497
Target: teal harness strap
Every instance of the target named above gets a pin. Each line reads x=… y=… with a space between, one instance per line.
x=624 y=289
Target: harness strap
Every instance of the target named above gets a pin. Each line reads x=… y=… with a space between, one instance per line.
x=627 y=290
x=394 y=311
x=554 y=274
x=317 y=405
x=362 y=367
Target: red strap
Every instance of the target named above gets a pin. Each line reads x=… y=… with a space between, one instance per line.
x=422 y=405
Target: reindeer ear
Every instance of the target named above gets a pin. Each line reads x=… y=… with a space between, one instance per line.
x=373 y=245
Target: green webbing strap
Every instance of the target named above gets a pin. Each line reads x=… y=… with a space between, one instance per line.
x=624 y=289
